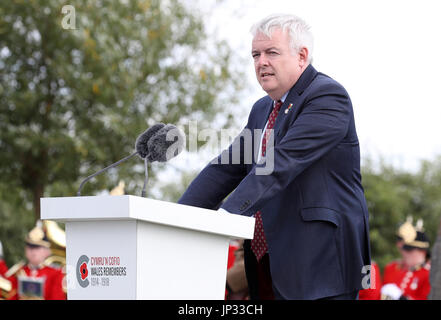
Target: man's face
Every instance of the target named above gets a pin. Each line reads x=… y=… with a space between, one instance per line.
x=413 y=257
x=36 y=255
x=276 y=64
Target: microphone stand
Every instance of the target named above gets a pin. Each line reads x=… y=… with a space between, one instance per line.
x=146 y=177
x=102 y=170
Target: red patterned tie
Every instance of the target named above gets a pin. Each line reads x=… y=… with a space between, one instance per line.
x=258 y=244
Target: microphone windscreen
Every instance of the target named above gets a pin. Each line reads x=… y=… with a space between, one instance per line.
x=141 y=144
x=167 y=143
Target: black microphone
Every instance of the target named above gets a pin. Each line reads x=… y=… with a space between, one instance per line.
x=143 y=139
x=141 y=147
x=166 y=143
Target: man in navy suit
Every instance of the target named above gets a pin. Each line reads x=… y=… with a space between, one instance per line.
x=303 y=183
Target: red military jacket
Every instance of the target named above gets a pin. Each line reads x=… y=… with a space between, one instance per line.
x=414 y=282
x=45 y=282
x=3 y=267
x=4 y=282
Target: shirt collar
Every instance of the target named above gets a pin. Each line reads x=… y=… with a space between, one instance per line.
x=283 y=98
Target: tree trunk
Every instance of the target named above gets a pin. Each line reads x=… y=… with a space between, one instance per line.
x=37 y=193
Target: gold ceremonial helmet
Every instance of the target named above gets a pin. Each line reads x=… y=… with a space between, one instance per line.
x=413 y=236
x=37 y=237
x=420 y=240
x=406 y=231
x=49 y=234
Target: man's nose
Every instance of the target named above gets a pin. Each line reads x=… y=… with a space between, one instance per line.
x=262 y=60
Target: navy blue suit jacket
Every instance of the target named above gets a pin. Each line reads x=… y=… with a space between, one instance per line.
x=313 y=207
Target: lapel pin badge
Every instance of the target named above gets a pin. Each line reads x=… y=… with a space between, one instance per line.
x=289 y=108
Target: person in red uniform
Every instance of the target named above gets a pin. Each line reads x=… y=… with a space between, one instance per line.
x=35 y=280
x=5 y=284
x=408 y=278
x=3 y=266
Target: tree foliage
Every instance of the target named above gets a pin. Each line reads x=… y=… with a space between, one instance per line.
x=393 y=195
x=72 y=101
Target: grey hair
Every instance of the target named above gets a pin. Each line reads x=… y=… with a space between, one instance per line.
x=298 y=29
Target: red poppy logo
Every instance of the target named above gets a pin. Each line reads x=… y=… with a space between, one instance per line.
x=83 y=271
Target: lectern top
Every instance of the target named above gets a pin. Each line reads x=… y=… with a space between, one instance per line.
x=127 y=207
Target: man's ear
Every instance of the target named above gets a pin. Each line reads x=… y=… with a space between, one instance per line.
x=303 y=57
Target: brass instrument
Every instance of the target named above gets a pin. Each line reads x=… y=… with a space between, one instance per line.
x=57 y=238
x=5 y=288
x=118 y=190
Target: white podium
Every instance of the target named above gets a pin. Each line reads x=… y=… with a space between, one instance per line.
x=128 y=247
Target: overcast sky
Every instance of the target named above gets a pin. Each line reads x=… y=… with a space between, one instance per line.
x=387 y=54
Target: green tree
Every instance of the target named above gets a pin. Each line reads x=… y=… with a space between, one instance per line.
x=15 y=222
x=74 y=100
x=392 y=195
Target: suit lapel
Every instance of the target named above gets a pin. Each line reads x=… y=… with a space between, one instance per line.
x=290 y=105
